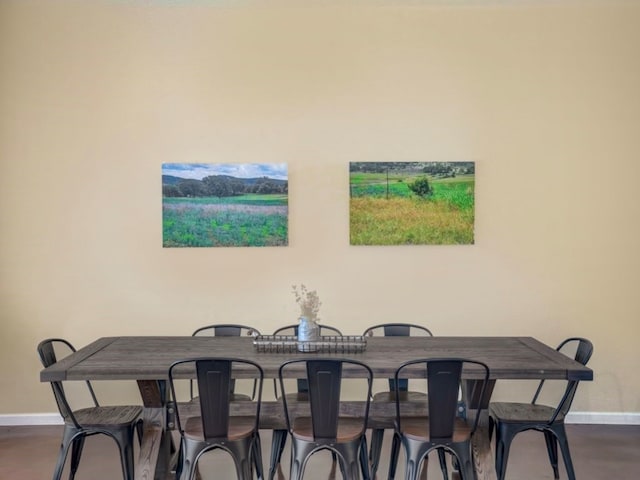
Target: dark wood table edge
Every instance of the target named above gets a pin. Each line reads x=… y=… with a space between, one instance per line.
x=58 y=371
x=583 y=374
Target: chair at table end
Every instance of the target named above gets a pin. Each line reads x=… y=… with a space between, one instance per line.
x=510 y=418
x=120 y=422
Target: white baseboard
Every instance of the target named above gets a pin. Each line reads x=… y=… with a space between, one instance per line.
x=604 y=418
x=25 y=419
x=597 y=418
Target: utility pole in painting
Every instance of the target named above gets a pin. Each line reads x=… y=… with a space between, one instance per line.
x=387 y=183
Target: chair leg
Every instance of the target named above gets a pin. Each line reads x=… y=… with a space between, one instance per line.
x=350 y=457
x=278 y=441
x=504 y=436
x=416 y=466
x=68 y=437
x=244 y=465
x=189 y=461
x=464 y=461
x=393 y=457
x=76 y=452
x=300 y=451
x=179 y=461
x=552 y=450
x=140 y=433
x=245 y=456
x=334 y=460
x=377 y=436
x=443 y=463
x=364 y=460
x=490 y=427
x=124 y=439
x=417 y=458
x=256 y=452
x=566 y=454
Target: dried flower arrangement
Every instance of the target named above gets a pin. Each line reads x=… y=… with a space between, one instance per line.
x=308 y=301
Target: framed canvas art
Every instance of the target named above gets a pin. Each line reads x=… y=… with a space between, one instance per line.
x=224 y=205
x=411 y=203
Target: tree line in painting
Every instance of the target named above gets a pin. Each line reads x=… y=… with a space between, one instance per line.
x=220 y=186
x=404 y=203
x=223 y=211
x=434 y=169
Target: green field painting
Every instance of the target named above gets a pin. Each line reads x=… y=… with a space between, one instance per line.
x=411 y=203
x=224 y=205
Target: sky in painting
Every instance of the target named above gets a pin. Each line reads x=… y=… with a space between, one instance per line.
x=240 y=170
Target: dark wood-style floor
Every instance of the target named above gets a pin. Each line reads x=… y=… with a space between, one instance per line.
x=600 y=452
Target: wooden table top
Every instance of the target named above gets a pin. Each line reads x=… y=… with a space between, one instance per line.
x=149 y=357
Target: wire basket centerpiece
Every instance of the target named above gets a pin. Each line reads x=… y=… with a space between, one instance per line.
x=324 y=344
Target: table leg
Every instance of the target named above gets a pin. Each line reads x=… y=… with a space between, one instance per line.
x=480 y=442
x=155 y=450
x=482 y=456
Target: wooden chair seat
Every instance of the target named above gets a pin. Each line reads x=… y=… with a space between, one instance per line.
x=417 y=428
x=233 y=397
x=297 y=397
x=514 y=412
x=109 y=415
x=239 y=428
x=404 y=396
x=349 y=429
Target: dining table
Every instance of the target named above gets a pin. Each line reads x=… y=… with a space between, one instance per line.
x=146 y=360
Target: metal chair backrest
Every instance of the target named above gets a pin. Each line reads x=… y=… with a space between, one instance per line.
x=443 y=384
x=398 y=330
x=225 y=330
x=214 y=379
x=48 y=351
x=293 y=330
x=583 y=351
x=324 y=377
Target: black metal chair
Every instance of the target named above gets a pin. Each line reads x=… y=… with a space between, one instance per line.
x=227 y=330
x=511 y=418
x=216 y=427
x=303 y=389
x=118 y=422
x=318 y=424
x=443 y=428
x=279 y=438
x=377 y=434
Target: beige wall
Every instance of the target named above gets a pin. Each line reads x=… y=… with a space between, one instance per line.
x=95 y=96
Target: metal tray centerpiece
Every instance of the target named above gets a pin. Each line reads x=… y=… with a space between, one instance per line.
x=324 y=344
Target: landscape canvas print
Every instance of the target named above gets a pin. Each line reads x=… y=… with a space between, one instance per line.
x=224 y=204
x=411 y=203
